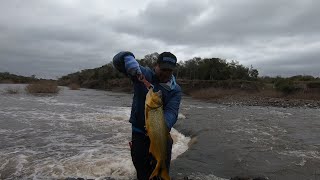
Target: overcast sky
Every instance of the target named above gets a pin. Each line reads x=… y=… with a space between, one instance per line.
x=51 y=38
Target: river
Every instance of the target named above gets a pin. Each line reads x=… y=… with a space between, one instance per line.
x=85 y=133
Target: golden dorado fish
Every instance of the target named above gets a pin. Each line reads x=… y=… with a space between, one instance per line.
x=158 y=133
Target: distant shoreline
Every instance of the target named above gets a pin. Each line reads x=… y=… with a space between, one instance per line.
x=266 y=101
x=236 y=97
x=249 y=100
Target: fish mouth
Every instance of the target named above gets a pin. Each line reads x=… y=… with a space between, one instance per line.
x=155 y=99
x=159 y=92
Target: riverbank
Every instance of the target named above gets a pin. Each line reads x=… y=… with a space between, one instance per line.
x=250 y=96
x=254 y=100
x=237 y=93
x=245 y=98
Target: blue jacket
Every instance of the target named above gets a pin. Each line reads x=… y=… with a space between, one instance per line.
x=171 y=98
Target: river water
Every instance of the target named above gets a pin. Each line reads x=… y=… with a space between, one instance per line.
x=85 y=133
x=81 y=133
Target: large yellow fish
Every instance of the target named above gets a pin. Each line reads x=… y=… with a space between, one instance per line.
x=158 y=133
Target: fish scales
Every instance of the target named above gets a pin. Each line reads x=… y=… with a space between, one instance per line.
x=158 y=133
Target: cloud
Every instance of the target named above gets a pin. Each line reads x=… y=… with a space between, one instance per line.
x=54 y=38
x=210 y=22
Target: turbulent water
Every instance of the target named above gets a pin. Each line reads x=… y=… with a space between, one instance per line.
x=73 y=134
x=85 y=134
x=278 y=143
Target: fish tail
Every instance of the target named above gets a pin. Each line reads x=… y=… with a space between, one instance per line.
x=155 y=171
x=164 y=173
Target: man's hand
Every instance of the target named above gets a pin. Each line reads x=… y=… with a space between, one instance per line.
x=143 y=79
x=132 y=66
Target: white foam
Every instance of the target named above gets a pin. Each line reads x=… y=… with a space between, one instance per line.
x=302 y=162
x=4 y=131
x=281 y=114
x=113 y=116
x=55 y=102
x=245 y=130
x=266 y=134
x=235 y=120
x=89 y=164
x=302 y=154
x=205 y=177
x=6 y=161
x=21 y=160
x=181 y=116
x=194 y=106
x=254 y=140
x=278 y=129
x=212 y=107
x=180 y=144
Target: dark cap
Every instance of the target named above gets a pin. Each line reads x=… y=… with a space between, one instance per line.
x=167 y=60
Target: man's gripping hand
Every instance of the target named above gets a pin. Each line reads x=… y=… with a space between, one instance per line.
x=132 y=66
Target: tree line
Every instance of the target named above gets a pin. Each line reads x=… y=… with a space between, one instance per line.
x=210 y=71
x=193 y=69
x=6 y=77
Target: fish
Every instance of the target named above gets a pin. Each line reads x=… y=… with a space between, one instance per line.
x=158 y=132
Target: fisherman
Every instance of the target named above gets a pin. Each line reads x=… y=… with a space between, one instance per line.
x=162 y=78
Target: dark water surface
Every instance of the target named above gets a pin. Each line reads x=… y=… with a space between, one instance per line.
x=279 y=143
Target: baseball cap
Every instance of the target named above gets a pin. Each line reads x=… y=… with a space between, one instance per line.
x=167 y=60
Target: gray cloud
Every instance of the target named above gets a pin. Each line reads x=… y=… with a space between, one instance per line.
x=210 y=22
x=304 y=61
x=53 y=38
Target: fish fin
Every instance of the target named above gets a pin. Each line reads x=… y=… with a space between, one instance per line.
x=155 y=172
x=164 y=173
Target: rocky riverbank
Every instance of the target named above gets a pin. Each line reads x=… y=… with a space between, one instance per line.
x=265 y=101
x=251 y=100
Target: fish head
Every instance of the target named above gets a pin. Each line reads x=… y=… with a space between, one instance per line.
x=154 y=99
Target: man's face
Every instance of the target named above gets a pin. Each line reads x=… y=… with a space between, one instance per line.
x=164 y=75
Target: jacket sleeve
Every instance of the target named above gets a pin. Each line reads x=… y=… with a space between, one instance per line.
x=171 y=110
x=118 y=61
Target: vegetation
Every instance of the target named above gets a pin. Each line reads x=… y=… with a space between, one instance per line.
x=215 y=69
x=210 y=75
x=8 y=78
x=213 y=93
x=74 y=86
x=92 y=78
x=313 y=84
x=42 y=87
x=35 y=85
x=286 y=86
x=194 y=69
x=12 y=90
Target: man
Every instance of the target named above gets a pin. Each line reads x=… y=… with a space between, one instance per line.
x=161 y=77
